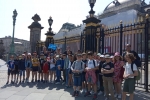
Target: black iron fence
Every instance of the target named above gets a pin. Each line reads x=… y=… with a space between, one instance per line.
x=113 y=39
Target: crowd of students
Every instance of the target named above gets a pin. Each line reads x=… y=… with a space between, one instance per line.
x=91 y=73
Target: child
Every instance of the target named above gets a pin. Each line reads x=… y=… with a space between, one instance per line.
x=11 y=68
x=52 y=68
x=46 y=69
x=77 y=69
x=91 y=78
x=22 y=68
x=129 y=83
x=40 y=75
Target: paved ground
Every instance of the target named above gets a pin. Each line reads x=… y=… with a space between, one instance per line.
x=40 y=91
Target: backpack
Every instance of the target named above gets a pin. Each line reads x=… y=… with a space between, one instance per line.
x=136 y=77
x=77 y=74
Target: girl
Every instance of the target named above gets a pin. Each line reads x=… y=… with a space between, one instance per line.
x=45 y=69
x=118 y=63
x=28 y=64
x=52 y=68
x=129 y=83
x=71 y=60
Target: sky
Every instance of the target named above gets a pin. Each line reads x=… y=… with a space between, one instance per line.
x=61 y=11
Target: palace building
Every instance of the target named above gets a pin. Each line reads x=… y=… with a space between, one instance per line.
x=118 y=14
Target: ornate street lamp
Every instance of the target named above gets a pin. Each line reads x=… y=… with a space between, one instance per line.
x=50 y=21
x=92 y=2
x=12 y=48
x=49 y=34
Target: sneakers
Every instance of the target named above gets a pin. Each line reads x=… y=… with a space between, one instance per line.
x=100 y=93
x=12 y=82
x=7 y=82
x=77 y=94
x=92 y=92
x=63 y=83
x=74 y=94
x=87 y=94
x=106 y=98
x=115 y=95
x=57 y=83
x=94 y=97
x=119 y=96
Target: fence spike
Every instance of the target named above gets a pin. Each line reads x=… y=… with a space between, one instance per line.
x=138 y=19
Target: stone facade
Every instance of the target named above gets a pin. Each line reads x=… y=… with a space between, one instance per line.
x=35 y=32
x=7 y=41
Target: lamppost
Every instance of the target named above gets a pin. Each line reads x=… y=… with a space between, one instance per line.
x=49 y=34
x=91 y=27
x=65 y=34
x=12 y=48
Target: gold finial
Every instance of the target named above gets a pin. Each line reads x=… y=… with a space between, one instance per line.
x=138 y=19
x=142 y=19
x=147 y=16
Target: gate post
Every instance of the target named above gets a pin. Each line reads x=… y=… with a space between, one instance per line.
x=146 y=51
x=121 y=32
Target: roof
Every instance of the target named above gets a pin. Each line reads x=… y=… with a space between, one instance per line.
x=121 y=4
x=72 y=33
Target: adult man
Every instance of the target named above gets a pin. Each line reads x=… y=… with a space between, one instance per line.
x=68 y=50
x=137 y=58
x=128 y=50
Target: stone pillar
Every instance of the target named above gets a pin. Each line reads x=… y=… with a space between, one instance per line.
x=35 y=32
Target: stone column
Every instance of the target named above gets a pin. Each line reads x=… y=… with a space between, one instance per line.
x=35 y=32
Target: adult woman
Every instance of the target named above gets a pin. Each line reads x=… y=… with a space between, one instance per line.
x=118 y=64
x=28 y=65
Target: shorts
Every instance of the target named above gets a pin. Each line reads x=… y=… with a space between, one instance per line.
x=11 y=72
x=16 y=72
x=39 y=70
x=34 y=69
x=77 y=81
x=129 y=85
x=22 y=72
x=83 y=77
x=53 y=69
x=70 y=71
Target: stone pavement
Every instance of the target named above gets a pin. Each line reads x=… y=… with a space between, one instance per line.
x=41 y=91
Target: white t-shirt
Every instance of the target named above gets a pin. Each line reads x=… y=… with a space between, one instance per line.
x=52 y=65
x=69 y=65
x=90 y=64
x=128 y=69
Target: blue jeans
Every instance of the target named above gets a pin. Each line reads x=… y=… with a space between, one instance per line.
x=77 y=81
x=67 y=76
x=58 y=74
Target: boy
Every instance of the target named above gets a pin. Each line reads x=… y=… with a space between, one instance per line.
x=77 y=69
x=22 y=68
x=11 y=68
x=91 y=75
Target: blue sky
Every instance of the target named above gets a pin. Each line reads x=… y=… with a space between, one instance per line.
x=62 y=11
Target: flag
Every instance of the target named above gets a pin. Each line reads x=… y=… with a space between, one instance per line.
x=52 y=46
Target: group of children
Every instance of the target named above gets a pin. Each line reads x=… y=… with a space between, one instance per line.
x=93 y=74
